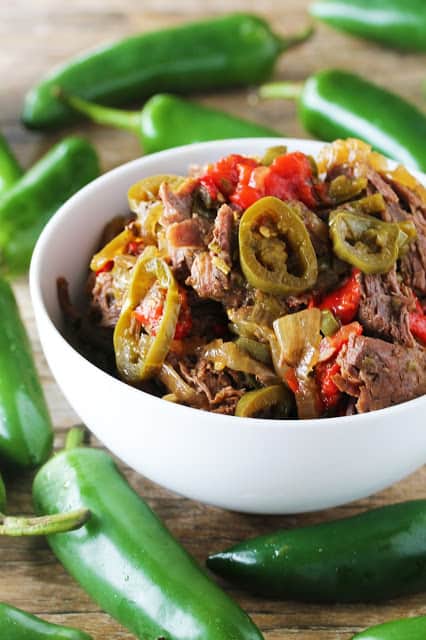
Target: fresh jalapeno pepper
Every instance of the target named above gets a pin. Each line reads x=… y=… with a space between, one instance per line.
x=167 y=121
x=18 y=526
x=404 y=629
x=276 y=252
x=373 y=556
x=25 y=427
x=371 y=245
x=275 y=400
x=10 y=171
x=228 y=51
x=140 y=356
x=337 y=104
x=396 y=23
x=28 y=205
x=126 y=559
x=19 y=625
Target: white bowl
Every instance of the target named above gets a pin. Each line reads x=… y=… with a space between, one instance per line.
x=250 y=465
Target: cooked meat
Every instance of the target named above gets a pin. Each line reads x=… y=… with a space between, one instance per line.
x=381 y=374
x=210 y=281
x=384 y=307
x=222 y=233
x=177 y=204
x=317 y=229
x=183 y=239
x=413 y=264
x=222 y=389
x=103 y=301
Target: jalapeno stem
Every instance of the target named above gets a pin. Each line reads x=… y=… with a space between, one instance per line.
x=75 y=438
x=295 y=39
x=128 y=120
x=44 y=525
x=284 y=90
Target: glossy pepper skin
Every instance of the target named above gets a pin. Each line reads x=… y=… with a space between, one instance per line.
x=167 y=121
x=25 y=427
x=16 y=624
x=2 y=496
x=395 y=23
x=10 y=171
x=228 y=51
x=373 y=556
x=404 y=629
x=29 y=204
x=127 y=560
x=337 y=104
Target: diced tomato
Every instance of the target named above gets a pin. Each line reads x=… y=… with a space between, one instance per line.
x=150 y=311
x=344 y=301
x=296 y=169
x=324 y=372
x=106 y=267
x=418 y=323
x=291 y=380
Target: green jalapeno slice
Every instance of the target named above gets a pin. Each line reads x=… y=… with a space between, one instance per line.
x=275 y=399
x=276 y=252
x=139 y=355
x=147 y=189
x=371 y=245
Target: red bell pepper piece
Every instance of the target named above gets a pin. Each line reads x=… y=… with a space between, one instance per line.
x=149 y=312
x=417 y=321
x=106 y=267
x=344 y=301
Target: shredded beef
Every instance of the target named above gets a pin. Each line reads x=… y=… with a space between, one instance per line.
x=380 y=374
x=177 y=204
x=413 y=264
x=223 y=231
x=183 y=239
x=384 y=307
x=211 y=282
x=103 y=301
x=222 y=389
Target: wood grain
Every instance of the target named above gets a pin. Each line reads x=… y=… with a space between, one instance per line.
x=37 y=34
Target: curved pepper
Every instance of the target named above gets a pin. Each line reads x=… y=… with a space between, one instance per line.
x=337 y=104
x=396 y=23
x=232 y=50
x=25 y=428
x=276 y=399
x=20 y=625
x=369 y=244
x=404 y=629
x=276 y=252
x=147 y=189
x=166 y=121
x=141 y=356
x=10 y=171
x=126 y=559
x=373 y=556
x=29 y=204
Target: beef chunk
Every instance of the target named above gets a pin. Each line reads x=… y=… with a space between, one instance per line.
x=384 y=307
x=103 y=302
x=177 y=204
x=223 y=232
x=380 y=374
x=209 y=281
x=398 y=199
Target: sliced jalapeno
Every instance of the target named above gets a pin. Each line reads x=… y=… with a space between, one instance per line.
x=147 y=189
x=258 y=350
x=139 y=355
x=275 y=400
x=276 y=252
x=116 y=247
x=371 y=245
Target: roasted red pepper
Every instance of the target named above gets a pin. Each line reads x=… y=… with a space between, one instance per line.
x=327 y=367
x=418 y=323
x=344 y=301
x=324 y=372
x=150 y=311
x=106 y=267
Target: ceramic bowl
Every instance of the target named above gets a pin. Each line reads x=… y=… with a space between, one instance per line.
x=249 y=465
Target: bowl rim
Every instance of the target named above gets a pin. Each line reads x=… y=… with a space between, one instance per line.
x=39 y=307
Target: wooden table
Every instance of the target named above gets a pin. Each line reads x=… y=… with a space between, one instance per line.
x=36 y=34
